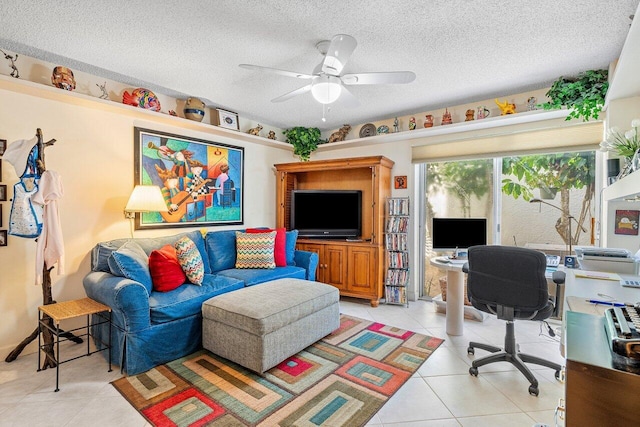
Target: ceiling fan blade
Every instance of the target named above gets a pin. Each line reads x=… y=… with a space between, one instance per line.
x=276 y=71
x=348 y=99
x=289 y=95
x=391 y=77
x=338 y=53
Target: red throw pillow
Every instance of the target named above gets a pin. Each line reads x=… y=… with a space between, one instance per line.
x=166 y=273
x=279 y=249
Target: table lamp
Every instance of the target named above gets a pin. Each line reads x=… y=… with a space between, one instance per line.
x=144 y=198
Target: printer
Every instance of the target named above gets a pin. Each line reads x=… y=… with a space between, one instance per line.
x=610 y=260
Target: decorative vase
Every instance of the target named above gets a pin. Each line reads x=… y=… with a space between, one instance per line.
x=635 y=161
x=194 y=109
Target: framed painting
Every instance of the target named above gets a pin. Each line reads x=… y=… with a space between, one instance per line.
x=202 y=181
x=627 y=222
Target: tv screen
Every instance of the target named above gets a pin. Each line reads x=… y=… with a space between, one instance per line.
x=327 y=213
x=447 y=234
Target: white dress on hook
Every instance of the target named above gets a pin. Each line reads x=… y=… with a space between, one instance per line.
x=50 y=246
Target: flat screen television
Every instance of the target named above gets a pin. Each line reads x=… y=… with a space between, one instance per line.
x=327 y=213
x=448 y=234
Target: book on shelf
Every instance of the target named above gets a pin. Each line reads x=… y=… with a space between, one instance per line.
x=396 y=295
x=396 y=242
x=397 y=277
x=397 y=259
x=397 y=224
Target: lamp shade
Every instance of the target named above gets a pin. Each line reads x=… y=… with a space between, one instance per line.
x=146 y=198
x=326 y=89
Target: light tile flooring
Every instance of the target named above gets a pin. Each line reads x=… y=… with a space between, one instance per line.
x=441 y=393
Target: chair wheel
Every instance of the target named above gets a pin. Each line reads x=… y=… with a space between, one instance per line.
x=471 y=350
x=473 y=371
x=533 y=390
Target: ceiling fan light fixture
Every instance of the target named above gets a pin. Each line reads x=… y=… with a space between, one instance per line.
x=326 y=89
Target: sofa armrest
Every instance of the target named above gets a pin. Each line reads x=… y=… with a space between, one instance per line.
x=308 y=261
x=128 y=299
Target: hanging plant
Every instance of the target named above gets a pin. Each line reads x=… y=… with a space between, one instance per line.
x=582 y=95
x=304 y=140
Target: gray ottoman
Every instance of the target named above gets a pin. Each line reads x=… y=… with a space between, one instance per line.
x=260 y=326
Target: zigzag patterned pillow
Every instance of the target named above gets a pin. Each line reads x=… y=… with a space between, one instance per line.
x=255 y=250
x=190 y=260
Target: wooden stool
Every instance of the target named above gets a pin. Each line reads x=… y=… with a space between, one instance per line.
x=69 y=310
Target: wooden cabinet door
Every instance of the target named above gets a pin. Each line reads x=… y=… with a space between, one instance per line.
x=335 y=265
x=362 y=271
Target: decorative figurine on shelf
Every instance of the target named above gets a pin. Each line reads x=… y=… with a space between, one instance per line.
x=483 y=113
x=194 y=109
x=14 y=70
x=395 y=125
x=340 y=134
x=62 y=78
x=428 y=121
x=272 y=135
x=382 y=129
x=142 y=98
x=103 y=88
x=506 y=107
x=531 y=103
x=469 y=115
x=412 y=123
x=173 y=113
x=255 y=131
x=446 y=117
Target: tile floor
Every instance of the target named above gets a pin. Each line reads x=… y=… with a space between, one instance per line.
x=441 y=393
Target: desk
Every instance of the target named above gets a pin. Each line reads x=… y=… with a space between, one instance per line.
x=455 y=295
x=595 y=393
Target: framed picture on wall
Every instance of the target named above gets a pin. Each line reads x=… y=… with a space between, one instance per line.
x=3 y=237
x=627 y=222
x=3 y=146
x=3 y=192
x=400 y=182
x=227 y=119
x=202 y=181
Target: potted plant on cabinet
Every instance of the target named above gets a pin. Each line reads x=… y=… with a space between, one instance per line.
x=582 y=95
x=304 y=140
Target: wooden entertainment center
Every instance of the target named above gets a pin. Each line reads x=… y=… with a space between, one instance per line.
x=355 y=268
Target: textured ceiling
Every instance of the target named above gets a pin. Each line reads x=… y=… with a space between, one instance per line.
x=460 y=50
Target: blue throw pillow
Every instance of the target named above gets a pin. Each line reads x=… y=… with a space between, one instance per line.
x=132 y=262
x=292 y=237
x=221 y=247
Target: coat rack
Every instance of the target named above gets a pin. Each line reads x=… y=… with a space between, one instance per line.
x=47 y=298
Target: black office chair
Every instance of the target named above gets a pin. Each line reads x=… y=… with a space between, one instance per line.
x=510 y=283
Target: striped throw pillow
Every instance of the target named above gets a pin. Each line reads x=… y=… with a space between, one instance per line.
x=255 y=250
x=190 y=260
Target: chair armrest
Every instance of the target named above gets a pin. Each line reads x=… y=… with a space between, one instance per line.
x=128 y=299
x=558 y=278
x=308 y=261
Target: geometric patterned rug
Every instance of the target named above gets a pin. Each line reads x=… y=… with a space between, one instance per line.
x=341 y=380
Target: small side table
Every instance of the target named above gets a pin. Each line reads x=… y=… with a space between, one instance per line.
x=69 y=310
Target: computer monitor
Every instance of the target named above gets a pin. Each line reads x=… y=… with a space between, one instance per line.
x=449 y=234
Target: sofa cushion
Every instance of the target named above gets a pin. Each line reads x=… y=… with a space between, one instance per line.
x=132 y=262
x=254 y=276
x=221 y=248
x=166 y=272
x=190 y=260
x=279 y=250
x=186 y=300
x=255 y=250
x=102 y=251
x=291 y=238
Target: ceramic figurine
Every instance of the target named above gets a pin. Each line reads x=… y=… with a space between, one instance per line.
x=194 y=109
x=412 y=123
x=340 y=134
x=428 y=121
x=142 y=98
x=395 y=125
x=103 y=88
x=272 y=135
x=62 y=78
x=531 y=103
x=482 y=113
x=255 y=131
x=14 y=70
x=506 y=107
x=468 y=115
x=446 y=117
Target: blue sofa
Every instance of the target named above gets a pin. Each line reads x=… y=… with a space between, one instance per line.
x=149 y=327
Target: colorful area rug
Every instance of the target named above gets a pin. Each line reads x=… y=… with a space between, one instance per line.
x=342 y=380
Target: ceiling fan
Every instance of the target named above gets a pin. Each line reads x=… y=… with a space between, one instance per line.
x=327 y=84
